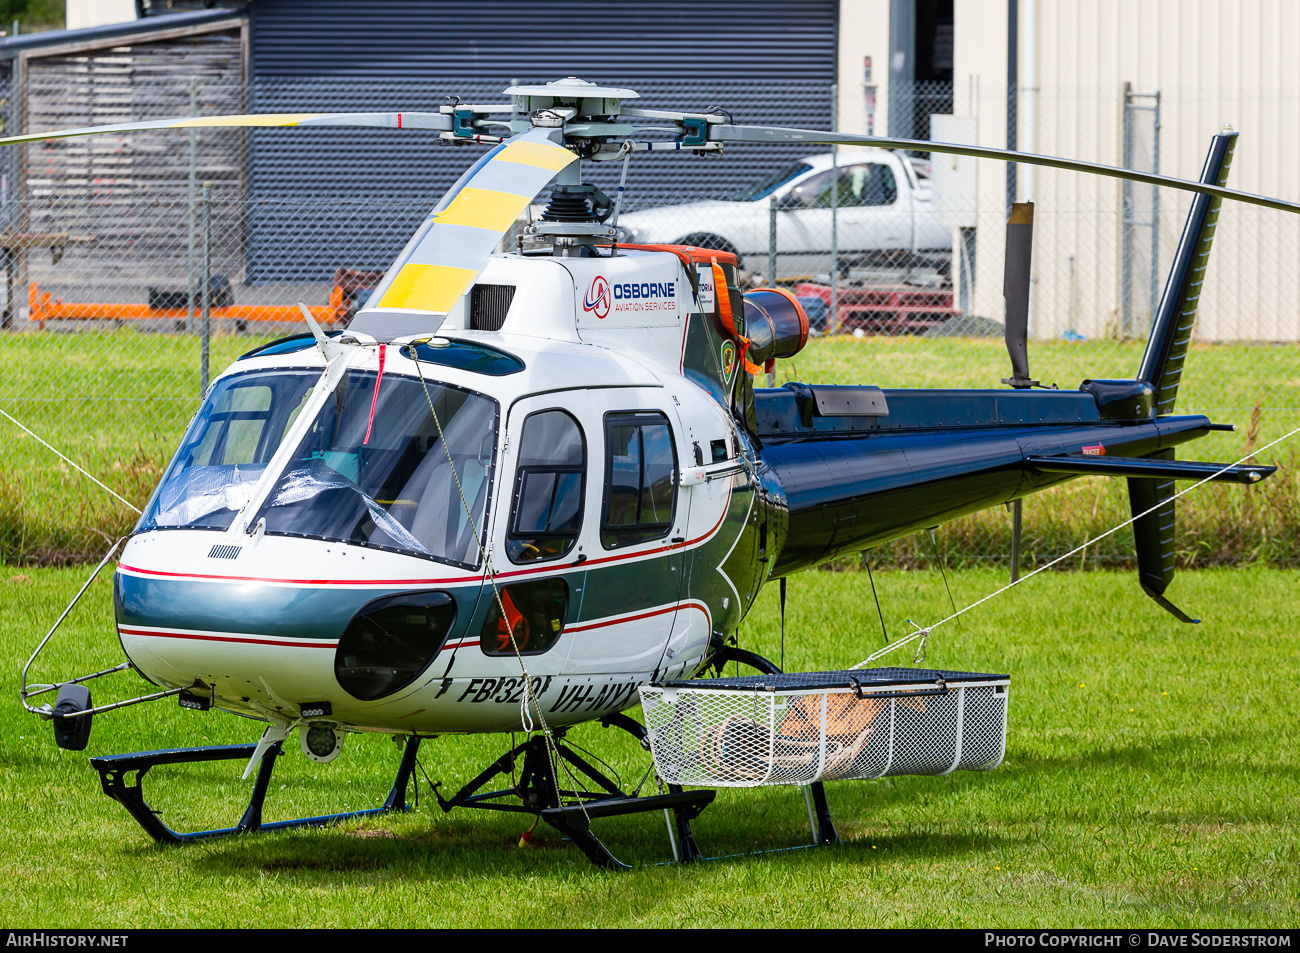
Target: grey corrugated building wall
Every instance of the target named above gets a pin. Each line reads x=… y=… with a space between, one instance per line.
x=764 y=61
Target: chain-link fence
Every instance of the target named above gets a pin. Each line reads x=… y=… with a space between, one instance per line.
x=898 y=258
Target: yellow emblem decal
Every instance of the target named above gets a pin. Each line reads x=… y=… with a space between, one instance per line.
x=728 y=362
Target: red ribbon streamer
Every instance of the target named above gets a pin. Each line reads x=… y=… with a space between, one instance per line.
x=383 y=352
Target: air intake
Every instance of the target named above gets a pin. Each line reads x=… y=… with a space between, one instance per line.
x=224 y=552
x=489 y=305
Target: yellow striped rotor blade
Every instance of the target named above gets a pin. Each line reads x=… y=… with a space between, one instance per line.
x=387 y=120
x=453 y=245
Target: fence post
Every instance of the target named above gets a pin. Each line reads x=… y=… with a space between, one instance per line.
x=771 y=242
x=189 y=248
x=1154 y=299
x=833 y=323
x=205 y=321
x=1126 y=223
x=1015 y=539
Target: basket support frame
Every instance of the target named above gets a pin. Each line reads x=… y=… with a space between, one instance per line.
x=819 y=817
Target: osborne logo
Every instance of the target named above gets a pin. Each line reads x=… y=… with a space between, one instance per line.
x=598 y=298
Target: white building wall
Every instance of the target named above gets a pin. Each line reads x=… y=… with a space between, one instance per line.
x=864 y=32
x=1212 y=62
x=79 y=14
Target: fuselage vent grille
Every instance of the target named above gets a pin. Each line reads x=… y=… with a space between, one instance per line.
x=488 y=306
x=224 y=552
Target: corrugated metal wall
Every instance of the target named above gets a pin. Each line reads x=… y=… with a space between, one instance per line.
x=763 y=61
x=665 y=39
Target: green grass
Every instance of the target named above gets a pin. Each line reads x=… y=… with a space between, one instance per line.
x=118 y=402
x=1151 y=780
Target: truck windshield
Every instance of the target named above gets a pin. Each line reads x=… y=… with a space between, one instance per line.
x=766 y=187
x=384 y=477
x=226 y=450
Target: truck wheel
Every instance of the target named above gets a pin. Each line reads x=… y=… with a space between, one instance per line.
x=705 y=240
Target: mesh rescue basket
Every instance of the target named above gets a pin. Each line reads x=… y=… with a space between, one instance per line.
x=799 y=728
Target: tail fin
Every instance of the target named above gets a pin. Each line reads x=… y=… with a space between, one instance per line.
x=1153 y=535
x=1162 y=368
x=1171 y=328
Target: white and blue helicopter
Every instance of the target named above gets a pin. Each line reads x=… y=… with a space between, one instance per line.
x=520 y=486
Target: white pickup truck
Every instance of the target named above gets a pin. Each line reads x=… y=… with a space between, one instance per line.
x=885 y=218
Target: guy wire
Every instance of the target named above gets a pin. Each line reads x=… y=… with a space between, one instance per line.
x=71 y=462
x=934 y=546
x=880 y=615
x=922 y=633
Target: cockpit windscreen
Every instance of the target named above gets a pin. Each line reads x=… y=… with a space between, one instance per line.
x=377 y=469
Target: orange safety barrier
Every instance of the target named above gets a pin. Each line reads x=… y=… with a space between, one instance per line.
x=42 y=308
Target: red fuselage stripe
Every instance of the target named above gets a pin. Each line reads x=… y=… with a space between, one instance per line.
x=326 y=644
x=586 y=627
x=659 y=551
x=323 y=644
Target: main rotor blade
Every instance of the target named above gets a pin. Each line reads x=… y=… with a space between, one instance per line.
x=398 y=120
x=443 y=258
x=732 y=133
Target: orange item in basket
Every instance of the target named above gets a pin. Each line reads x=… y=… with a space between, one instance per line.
x=846 y=715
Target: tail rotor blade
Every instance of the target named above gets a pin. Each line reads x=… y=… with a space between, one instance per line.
x=1015 y=288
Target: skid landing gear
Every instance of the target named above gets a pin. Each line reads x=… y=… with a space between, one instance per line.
x=570 y=811
x=114 y=771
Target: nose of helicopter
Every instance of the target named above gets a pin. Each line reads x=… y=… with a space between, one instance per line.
x=270 y=639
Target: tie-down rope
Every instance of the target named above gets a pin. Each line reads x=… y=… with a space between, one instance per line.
x=69 y=461
x=924 y=633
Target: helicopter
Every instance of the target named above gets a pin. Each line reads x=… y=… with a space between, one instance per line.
x=522 y=485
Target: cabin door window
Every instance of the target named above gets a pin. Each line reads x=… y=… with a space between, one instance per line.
x=546 y=515
x=640 y=479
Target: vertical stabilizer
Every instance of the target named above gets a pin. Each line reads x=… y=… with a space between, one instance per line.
x=1153 y=535
x=1171 y=328
x=1162 y=368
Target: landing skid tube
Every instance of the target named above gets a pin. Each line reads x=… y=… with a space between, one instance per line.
x=570 y=811
x=115 y=771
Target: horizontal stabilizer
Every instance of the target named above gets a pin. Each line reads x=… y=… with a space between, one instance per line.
x=1154 y=468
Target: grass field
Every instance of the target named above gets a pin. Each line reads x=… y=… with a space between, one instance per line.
x=118 y=401
x=1152 y=778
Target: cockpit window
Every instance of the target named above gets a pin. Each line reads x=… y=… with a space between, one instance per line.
x=224 y=454
x=384 y=477
x=549 y=488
